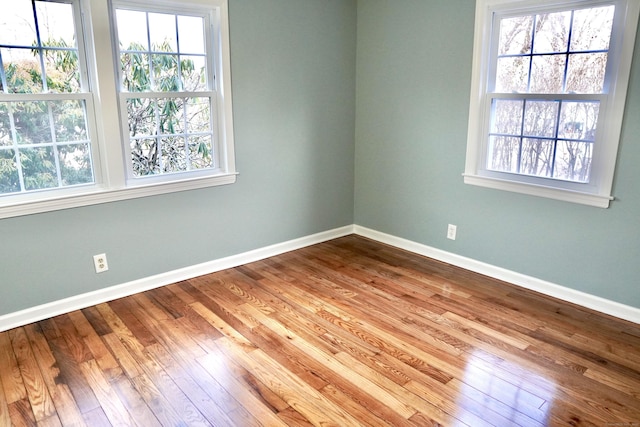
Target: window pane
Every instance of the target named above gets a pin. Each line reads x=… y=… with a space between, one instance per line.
x=585 y=72
x=194 y=73
x=547 y=74
x=135 y=72
x=199 y=115
x=573 y=160
x=162 y=32
x=512 y=74
x=9 y=178
x=5 y=125
x=579 y=120
x=174 y=156
x=503 y=154
x=38 y=168
x=144 y=156
x=592 y=28
x=506 y=117
x=171 y=115
x=200 y=152
x=552 y=32
x=75 y=164
x=515 y=35
x=540 y=118
x=32 y=122
x=55 y=21
x=141 y=116
x=70 y=121
x=61 y=66
x=537 y=155
x=191 y=34
x=17 y=23
x=132 y=30
x=22 y=70
x=165 y=73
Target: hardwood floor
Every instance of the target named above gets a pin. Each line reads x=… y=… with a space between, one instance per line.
x=348 y=332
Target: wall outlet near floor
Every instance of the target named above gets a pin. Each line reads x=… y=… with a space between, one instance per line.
x=100 y=263
x=451 y=232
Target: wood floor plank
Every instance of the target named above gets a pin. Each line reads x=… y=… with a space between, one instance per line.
x=257 y=407
x=109 y=400
x=21 y=413
x=345 y=332
x=5 y=417
x=12 y=383
x=67 y=410
x=37 y=392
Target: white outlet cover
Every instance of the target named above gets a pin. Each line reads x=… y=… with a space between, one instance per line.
x=100 y=263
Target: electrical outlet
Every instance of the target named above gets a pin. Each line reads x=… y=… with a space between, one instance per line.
x=451 y=232
x=100 y=263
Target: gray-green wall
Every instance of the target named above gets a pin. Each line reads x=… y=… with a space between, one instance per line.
x=313 y=84
x=413 y=81
x=293 y=75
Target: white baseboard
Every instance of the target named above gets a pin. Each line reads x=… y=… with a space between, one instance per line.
x=55 y=308
x=583 y=299
x=44 y=311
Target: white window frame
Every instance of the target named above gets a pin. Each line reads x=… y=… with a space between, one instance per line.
x=108 y=148
x=597 y=192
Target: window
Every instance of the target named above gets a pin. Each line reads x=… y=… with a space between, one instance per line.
x=548 y=93
x=79 y=128
x=45 y=141
x=166 y=82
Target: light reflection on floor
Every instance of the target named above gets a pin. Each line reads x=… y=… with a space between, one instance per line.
x=503 y=394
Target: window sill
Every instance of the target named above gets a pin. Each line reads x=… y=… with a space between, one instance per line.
x=95 y=195
x=540 y=191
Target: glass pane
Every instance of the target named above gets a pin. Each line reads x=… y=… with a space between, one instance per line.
x=547 y=74
x=512 y=74
x=592 y=28
x=32 y=122
x=5 y=125
x=144 y=156
x=579 y=120
x=162 y=32
x=132 y=30
x=141 y=116
x=194 y=73
x=536 y=157
x=22 y=70
x=503 y=153
x=70 y=121
x=165 y=71
x=171 y=114
x=17 y=23
x=552 y=32
x=573 y=161
x=506 y=117
x=515 y=35
x=9 y=178
x=200 y=152
x=135 y=72
x=57 y=27
x=198 y=115
x=585 y=73
x=38 y=168
x=174 y=156
x=540 y=118
x=75 y=164
x=63 y=75
x=191 y=34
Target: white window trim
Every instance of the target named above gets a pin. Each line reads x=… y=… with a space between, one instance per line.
x=108 y=159
x=598 y=191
